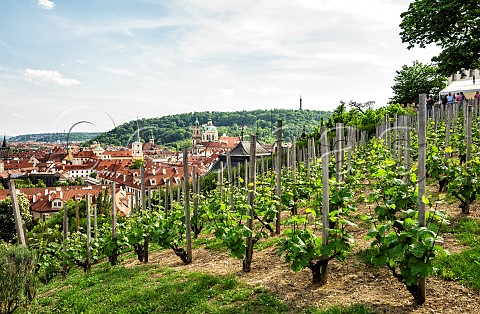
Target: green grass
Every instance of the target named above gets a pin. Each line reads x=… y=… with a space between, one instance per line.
x=263 y=244
x=353 y=309
x=151 y=289
x=210 y=243
x=148 y=289
x=217 y=245
x=463 y=267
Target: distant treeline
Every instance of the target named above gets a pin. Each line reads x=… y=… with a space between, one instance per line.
x=54 y=137
x=175 y=131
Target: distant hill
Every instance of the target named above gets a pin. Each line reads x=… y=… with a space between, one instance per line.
x=175 y=131
x=54 y=137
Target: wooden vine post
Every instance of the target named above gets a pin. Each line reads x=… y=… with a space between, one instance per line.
x=288 y=158
x=89 y=234
x=294 y=160
x=170 y=192
x=179 y=191
x=278 y=169
x=262 y=165
x=246 y=174
x=114 y=213
x=307 y=160
x=387 y=132
x=220 y=179
x=137 y=200
x=94 y=205
x=400 y=133
x=339 y=151
x=230 y=181
x=422 y=153
x=239 y=176
x=314 y=153
x=65 y=237
x=132 y=202
x=349 y=148
x=325 y=196
x=113 y=257
x=77 y=215
x=247 y=262
x=468 y=157
x=16 y=214
x=167 y=183
x=407 y=142
x=188 y=226
x=149 y=200
x=159 y=196
x=448 y=108
x=196 y=195
x=142 y=186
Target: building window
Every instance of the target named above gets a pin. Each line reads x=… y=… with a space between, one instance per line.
x=57 y=204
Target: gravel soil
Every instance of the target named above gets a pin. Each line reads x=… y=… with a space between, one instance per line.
x=349 y=282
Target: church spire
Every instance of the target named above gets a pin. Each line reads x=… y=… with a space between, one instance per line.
x=4 y=144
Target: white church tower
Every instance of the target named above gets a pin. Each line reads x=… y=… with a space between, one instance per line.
x=137 y=152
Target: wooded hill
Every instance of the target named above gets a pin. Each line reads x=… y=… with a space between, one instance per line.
x=175 y=131
x=54 y=137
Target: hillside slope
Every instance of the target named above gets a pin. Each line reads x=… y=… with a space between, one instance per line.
x=54 y=137
x=176 y=130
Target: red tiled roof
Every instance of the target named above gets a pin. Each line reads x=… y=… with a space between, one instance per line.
x=44 y=204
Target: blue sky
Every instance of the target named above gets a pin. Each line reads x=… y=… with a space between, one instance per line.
x=111 y=61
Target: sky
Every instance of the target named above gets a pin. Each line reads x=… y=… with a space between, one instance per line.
x=89 y=65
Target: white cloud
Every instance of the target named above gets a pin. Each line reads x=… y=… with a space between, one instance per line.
x=120 y=71
x=269 y=90
x=226 y=92
x=125 y=26
x=43 y=77
x=46 y=4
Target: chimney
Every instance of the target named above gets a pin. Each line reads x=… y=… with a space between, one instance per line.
x=153 y=170
x=164 y=171
x=124 y=178
x=34 y=198
x=46 y=192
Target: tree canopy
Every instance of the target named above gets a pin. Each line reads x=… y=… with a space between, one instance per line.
x=452 y=25
x=8 y=232
x=360 y=115
x=416 y=79
x=175 y=131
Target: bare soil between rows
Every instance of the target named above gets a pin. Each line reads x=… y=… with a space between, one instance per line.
x=349 y=282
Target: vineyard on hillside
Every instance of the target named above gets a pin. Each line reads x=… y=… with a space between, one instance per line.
x=381 y=192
